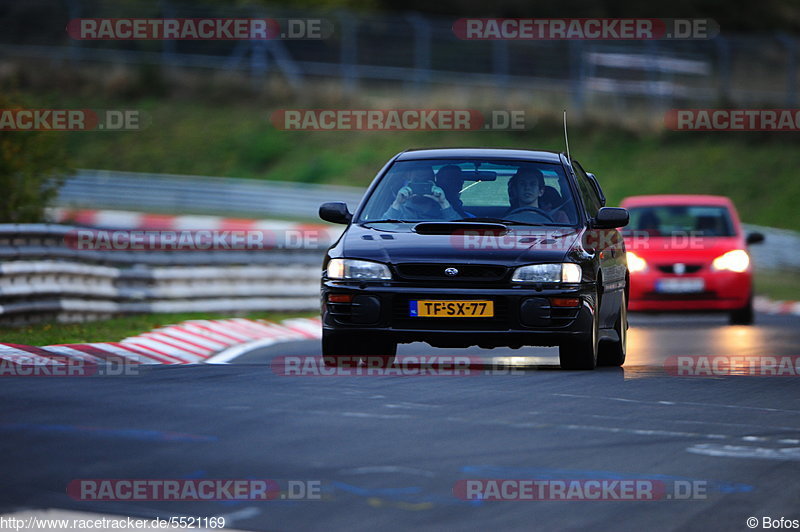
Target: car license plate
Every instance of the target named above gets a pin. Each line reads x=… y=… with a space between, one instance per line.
x=680 y=286
x=451 y=309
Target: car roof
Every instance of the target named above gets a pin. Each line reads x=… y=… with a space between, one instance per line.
x=483 y=153
x=676 y=199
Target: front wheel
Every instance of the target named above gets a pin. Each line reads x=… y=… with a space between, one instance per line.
x=348 y=351
x=339 y=351
x=743 y=315
x=581 y=352
x=613 y=353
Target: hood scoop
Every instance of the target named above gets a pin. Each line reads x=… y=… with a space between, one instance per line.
x=449 y=228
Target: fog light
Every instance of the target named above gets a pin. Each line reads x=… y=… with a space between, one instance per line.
x=340 y=298
x=565 y=301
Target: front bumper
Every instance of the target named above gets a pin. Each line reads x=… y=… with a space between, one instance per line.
x=723 y=291
x=523 y=315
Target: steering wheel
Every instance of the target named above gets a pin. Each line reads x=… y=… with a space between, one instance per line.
x=536 y=210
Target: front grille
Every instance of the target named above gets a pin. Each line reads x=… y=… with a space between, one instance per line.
x=688 y=268
x=402 y=320
x=432 y=271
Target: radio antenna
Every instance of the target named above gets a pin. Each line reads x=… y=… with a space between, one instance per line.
x=566 y=138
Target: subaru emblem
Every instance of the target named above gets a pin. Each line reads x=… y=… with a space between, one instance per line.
x=451 y=271
x=679 y=268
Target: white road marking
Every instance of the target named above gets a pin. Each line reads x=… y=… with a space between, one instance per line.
x=366 y=470
x=411 y=406
x=713 y=405
x=223 y=357
x=742 y=451
x=378 y=416
x=596 y=428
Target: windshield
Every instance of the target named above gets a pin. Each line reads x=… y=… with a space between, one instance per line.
x=680 y=220
x=448 y=190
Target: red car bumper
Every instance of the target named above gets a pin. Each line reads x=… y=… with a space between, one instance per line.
x=721 y=291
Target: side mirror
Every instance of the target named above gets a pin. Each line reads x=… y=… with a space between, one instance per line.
x=754 y=238
x=611 y=218
x=335 y=212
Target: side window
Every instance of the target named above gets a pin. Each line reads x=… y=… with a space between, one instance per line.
x=588 y=195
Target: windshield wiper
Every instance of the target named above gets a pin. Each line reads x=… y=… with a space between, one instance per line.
x=507 y=222
x=387 y=221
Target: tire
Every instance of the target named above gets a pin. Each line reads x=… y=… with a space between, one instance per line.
x=613 y=353
x=580 y=353
x=379 y=354
x=744 y=315
x=338 y=351
x=348 y=351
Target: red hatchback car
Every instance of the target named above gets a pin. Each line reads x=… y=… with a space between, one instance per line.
x=689 y=253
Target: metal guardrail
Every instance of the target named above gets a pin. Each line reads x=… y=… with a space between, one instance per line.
x=185 y=193
x=779 y=251
x=42 y=278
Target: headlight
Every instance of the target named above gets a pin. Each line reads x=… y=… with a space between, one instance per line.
x=736 y=261
x=358 y=269
x=636 y=263
x=548 y=273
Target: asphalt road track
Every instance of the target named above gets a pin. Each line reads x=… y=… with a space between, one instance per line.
x=388 y=450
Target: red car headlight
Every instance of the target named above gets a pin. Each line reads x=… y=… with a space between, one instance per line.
x=736 y=261
x=636 y=263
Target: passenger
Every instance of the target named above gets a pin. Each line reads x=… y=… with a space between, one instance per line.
x=551 y=201
x=450 y=179
x=409 y=205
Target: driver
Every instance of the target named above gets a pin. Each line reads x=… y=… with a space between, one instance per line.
x=525 y=188
x=410 y=206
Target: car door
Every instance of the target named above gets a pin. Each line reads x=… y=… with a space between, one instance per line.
x=610 y=250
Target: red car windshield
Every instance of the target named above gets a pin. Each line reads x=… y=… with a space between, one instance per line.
x=679 y=220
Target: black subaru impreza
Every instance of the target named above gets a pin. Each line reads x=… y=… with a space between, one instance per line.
x=487 y=247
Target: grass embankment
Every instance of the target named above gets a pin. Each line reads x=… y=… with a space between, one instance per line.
x=778 y=285
x=237 y=140
x=114 y=329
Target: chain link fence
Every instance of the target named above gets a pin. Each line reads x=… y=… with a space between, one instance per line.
x=412 y=51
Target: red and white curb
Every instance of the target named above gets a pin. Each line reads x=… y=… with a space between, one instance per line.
x=189 y=342
x=768 y=306
x=114 y=219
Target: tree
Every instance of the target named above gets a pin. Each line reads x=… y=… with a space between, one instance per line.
x=32 y=167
